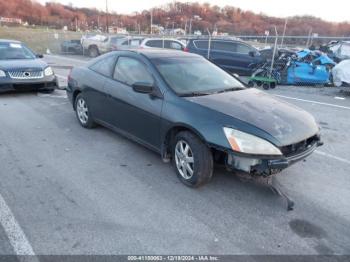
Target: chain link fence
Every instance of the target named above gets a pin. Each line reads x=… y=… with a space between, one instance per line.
x=50 y=41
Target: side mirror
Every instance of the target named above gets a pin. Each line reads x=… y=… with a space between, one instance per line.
x=252 y=53
x=144 y=88
x=39 y=56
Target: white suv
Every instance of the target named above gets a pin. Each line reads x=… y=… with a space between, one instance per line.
x=162 y=43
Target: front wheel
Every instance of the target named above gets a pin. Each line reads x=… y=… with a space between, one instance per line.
x=192 y=159
x=93 y=52
x=83 y=113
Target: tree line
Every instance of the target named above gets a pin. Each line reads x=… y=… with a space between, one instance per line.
x=192 y=16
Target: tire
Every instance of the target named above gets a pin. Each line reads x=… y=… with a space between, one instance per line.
x=202 y=160
x=266 y=86
x=251 y=83
x=83 y=113
x=93 y=51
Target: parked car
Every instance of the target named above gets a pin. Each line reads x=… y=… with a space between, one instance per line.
x=337 y=50
x=341 y=74
x=233 y=56
x=127 y=43
x=72 y=47
x=162 y=43
x=191 y=112
x=267 y=53
x=99 y=44
x=21 y=69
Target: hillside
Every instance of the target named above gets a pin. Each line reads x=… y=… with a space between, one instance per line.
x=228 y=19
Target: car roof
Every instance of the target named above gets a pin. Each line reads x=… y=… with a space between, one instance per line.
x=160 y=53
x=9 y=41
x=153 y=38
x=217 y=39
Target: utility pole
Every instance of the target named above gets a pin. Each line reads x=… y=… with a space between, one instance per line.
x=284 y=32
x=190 y=29
x=309 y=38
x=107 y=25
x=98 y=22
x=274 y=52
x=151 y=21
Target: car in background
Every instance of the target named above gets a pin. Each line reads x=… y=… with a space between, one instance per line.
x=22 y=69
x=231 y=55
x=127 y=43
x=192 y=112
x=267 y=53
x=72 y=47
x=166 y=43
x=341 y=74
x=338 y=50
x=99 y=44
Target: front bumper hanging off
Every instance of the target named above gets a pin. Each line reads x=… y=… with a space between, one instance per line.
x=265 y=166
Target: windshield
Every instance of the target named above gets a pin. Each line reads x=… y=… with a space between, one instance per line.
x=189 y=75
x=15 y=51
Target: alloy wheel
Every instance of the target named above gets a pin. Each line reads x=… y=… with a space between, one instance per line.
x=184 y=159
x=82 y=111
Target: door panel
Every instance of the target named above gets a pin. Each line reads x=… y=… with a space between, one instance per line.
x=135 y=113
x=93 y=89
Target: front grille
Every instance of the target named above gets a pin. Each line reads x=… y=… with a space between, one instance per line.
x=26 y=75
x=299 y=147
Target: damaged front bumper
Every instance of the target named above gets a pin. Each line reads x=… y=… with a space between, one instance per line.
x=264 y=165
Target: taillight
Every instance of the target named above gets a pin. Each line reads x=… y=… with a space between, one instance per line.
x=186 y=49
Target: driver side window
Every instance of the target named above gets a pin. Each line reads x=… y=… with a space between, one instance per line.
x=130 y=71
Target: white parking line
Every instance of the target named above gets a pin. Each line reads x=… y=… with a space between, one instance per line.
x=314 y=102
x=333 y=157
x=15 y=234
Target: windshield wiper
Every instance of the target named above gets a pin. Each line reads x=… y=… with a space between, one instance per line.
x=195 y=94
x=229 y=90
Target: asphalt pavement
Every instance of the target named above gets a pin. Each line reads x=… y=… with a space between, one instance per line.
x=69 y=190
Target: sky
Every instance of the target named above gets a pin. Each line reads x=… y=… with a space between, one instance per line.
x=334 y=11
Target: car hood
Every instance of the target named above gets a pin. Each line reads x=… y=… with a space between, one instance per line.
x=16 y=64
x=286 y=122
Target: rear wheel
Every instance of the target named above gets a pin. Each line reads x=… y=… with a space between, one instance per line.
x=266 y=86
x=192 y=160
x=83 y=113
x=251 y=83
x=93 y=51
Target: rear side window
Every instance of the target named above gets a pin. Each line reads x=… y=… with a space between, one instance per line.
x=201 y=44
x=130 y=71
x=154 y=43
x=175 y=45
x=104 y=66
x=243 y=49
x=224 y=46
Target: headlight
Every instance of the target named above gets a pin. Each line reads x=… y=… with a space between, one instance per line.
x=2 y=73
x=249 y=144
x=48 y=71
